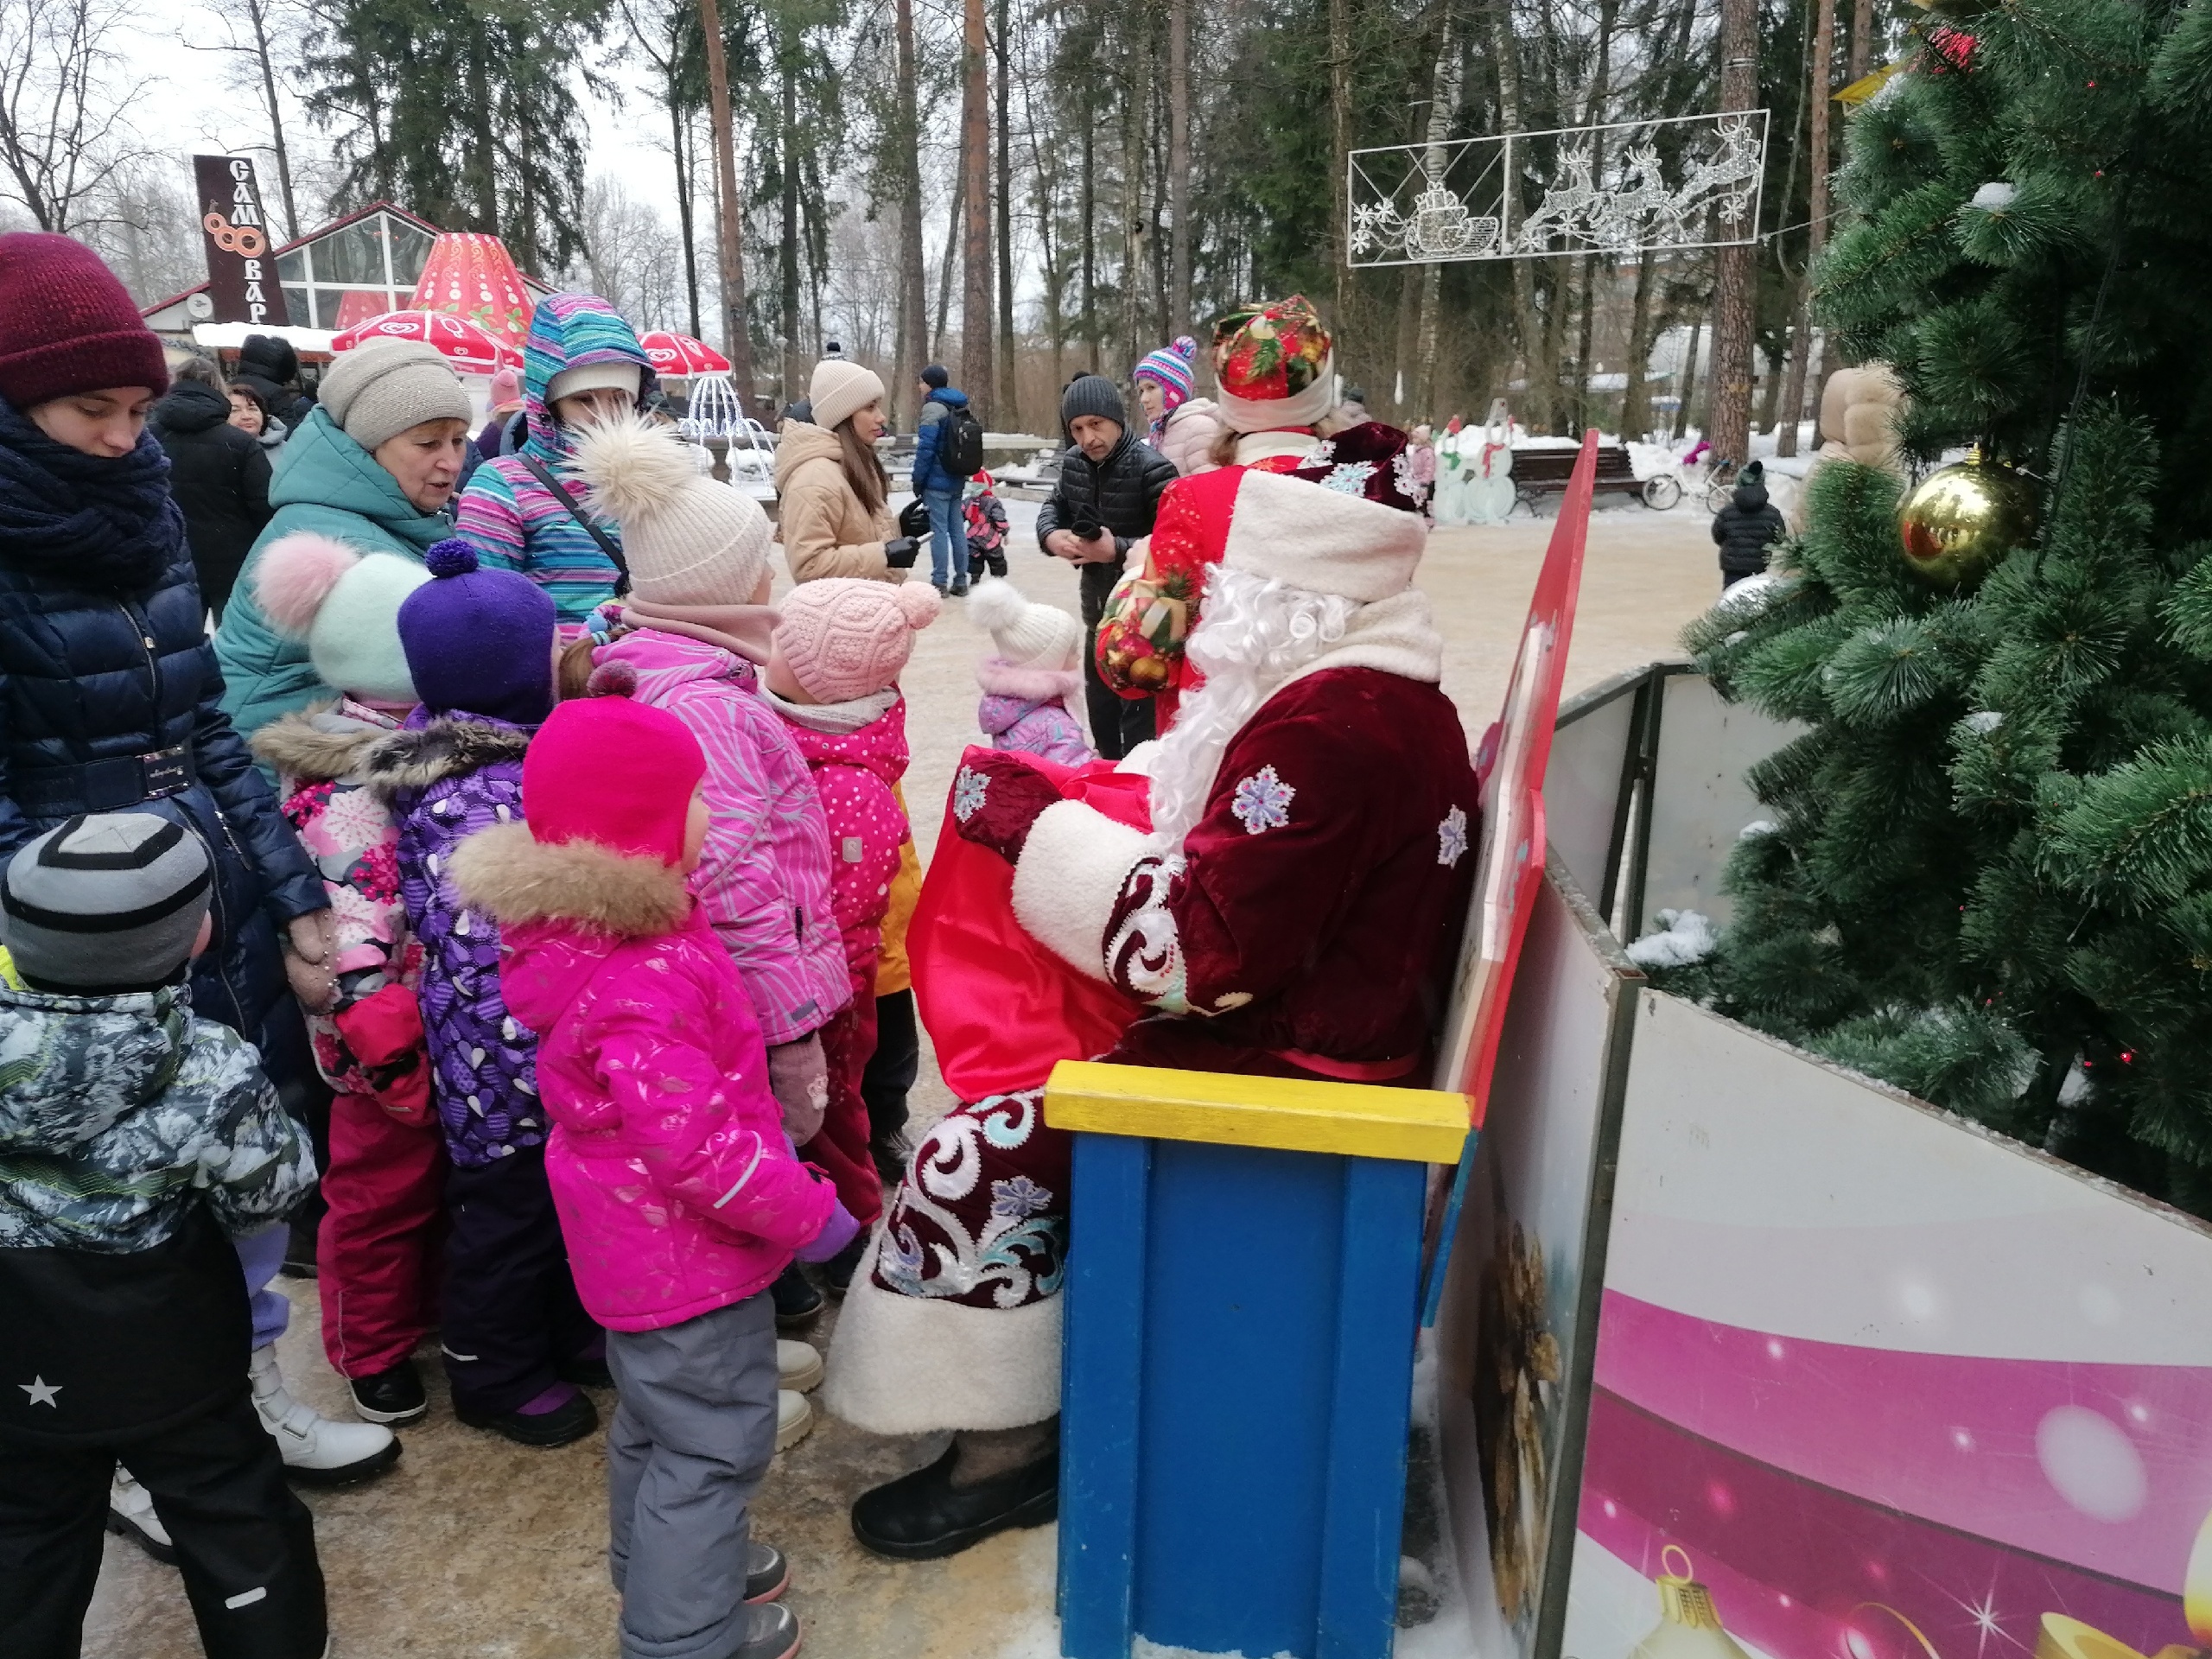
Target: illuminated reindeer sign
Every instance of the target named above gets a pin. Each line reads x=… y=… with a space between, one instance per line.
x=1692 y=182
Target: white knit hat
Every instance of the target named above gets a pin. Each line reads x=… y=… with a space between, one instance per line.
x=1028 y=635
x=615 y=375
x=377 y=391
x=841 y=388
x=687 y=539
x=1307 y=536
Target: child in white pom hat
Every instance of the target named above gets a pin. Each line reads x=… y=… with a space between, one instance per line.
x=1032 y=683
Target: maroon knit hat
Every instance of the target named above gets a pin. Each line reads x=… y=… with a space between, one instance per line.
x=71 y=324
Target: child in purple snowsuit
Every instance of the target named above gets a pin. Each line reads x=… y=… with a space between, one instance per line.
x=1031 y=686
x=516 y=1339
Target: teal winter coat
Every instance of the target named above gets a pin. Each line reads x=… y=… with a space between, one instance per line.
x=327 y=483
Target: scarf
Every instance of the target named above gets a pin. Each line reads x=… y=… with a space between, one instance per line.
x=86 y=521
x=744 y=631
x=834 y=718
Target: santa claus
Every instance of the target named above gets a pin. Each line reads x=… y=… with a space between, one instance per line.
x=1293 y=912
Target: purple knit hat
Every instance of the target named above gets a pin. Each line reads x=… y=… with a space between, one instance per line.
x=1170 y=369
x=478 y=642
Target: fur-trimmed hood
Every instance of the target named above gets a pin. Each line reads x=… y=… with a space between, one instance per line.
x=326 y=743
x=1000 y=678
x=515 y=879
x=421 y=757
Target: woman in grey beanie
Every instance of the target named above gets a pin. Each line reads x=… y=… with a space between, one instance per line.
x=374 y=467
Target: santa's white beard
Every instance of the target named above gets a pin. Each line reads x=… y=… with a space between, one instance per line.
x=1253 y=635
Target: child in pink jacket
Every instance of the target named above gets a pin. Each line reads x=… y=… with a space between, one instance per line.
x=377 y=1249
x=678 y=1194
x=1032 y=685
x=833 y=675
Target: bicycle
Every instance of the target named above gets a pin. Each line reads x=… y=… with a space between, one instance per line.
x=1720 y=483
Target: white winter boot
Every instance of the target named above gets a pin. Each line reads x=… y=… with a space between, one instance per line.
x=794 y=1418
x=317 y=1451
x=131 y=1515
x=798 y=1367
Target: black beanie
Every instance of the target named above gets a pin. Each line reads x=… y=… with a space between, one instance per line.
x=1093 y=394
x=937 y=376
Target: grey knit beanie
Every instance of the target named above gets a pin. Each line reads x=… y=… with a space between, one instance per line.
x=106 y=903
x=376 y=392
x=1093 y=394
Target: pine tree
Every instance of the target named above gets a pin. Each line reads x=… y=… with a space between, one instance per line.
x=1985 y=872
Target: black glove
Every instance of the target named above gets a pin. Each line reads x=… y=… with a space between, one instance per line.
x=1085 y=527
x=899 y=553
x=914 y=518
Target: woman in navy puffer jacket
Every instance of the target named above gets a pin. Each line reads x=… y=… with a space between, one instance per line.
x=109 y=690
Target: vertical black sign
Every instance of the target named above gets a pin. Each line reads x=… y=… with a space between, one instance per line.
x=241 y=275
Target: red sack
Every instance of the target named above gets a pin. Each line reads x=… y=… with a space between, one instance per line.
x=1000 y=1008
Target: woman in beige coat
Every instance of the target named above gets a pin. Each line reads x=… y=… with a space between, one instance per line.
x=831 y=489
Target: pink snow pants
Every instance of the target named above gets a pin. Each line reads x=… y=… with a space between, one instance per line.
x=377 y=1254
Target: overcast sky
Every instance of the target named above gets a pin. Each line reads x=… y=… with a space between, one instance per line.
x=181 y=104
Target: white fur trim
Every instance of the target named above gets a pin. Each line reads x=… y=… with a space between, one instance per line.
x=1069 y=875
x=909 y=1365
x=1306 y=535
x=1254 y=447
x=1397 y=635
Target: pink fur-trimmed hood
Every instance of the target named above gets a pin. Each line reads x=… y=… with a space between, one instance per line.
x=1002 y=679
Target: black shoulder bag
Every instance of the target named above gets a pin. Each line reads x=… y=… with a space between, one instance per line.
x=543 y=475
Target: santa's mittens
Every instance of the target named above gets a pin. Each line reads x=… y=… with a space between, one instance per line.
x=995 y=799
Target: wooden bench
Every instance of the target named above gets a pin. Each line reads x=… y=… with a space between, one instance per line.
x=1538 y=472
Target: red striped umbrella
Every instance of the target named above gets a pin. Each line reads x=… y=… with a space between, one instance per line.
x=465 y=343
x=681 y=355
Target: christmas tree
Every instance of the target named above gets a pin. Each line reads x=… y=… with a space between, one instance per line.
x=1984 y=870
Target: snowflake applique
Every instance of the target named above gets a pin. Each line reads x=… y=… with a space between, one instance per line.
x=1262 y=802
x=968 y=792
x=1349 y=477
x=1401 y=471
x=1020 y=1196
x=1452 y=839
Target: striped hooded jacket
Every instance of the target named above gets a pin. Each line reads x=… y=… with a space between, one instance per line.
x=515 y=522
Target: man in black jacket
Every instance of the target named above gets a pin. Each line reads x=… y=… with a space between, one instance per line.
x=1746 y=527
x=271 y=367
x=1109 y=494
x=219 y=474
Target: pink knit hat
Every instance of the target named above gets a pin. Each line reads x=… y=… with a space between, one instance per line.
x=842 y=638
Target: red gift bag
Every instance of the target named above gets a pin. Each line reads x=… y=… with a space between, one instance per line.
x=1000 y=1008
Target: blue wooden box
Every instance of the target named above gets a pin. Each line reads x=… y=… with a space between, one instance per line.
x=1242 y=1303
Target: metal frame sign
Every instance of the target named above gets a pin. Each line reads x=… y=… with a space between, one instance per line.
x=1626 y=187
x=241 y=272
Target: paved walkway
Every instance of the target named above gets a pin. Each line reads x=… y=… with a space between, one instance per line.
x=476 y=1549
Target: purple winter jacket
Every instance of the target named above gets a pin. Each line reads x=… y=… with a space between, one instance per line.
x=443 y=779
x=1031 y=709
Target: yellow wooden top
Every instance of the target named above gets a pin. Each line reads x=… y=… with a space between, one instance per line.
x=1359 y=1120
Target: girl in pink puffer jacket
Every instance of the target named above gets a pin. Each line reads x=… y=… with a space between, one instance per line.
x=833 y=675
x=678 y=1195
x=1031 y=686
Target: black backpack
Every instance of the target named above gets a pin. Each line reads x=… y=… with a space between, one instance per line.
x=960 y=446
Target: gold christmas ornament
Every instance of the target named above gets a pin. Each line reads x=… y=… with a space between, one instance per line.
x=1959 y=522
x=1689 y=1626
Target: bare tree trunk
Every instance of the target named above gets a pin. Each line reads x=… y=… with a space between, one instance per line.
x=945 y=265
x=1340 y=146
x=1179 y=166
x=976 y=320
x=1133 y=227
x=913 y=308
x=1635 y=396
x=1504 y=50
x=792 y=372
x=1862 y=37
x=1736 y=278
x=1689 y=381
x=737 y=336
x=1801 y=336
x=1010 y=398
x=1443 y=110
x=686 y=208
x=1089 y=210
x=257 y=12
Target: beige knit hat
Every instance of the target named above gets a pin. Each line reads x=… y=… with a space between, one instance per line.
x=687 y=539
x=1028 y=635
x=375 y=391
x=840 y=389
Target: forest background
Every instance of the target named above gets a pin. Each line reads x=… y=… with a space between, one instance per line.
x=1020 y=189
